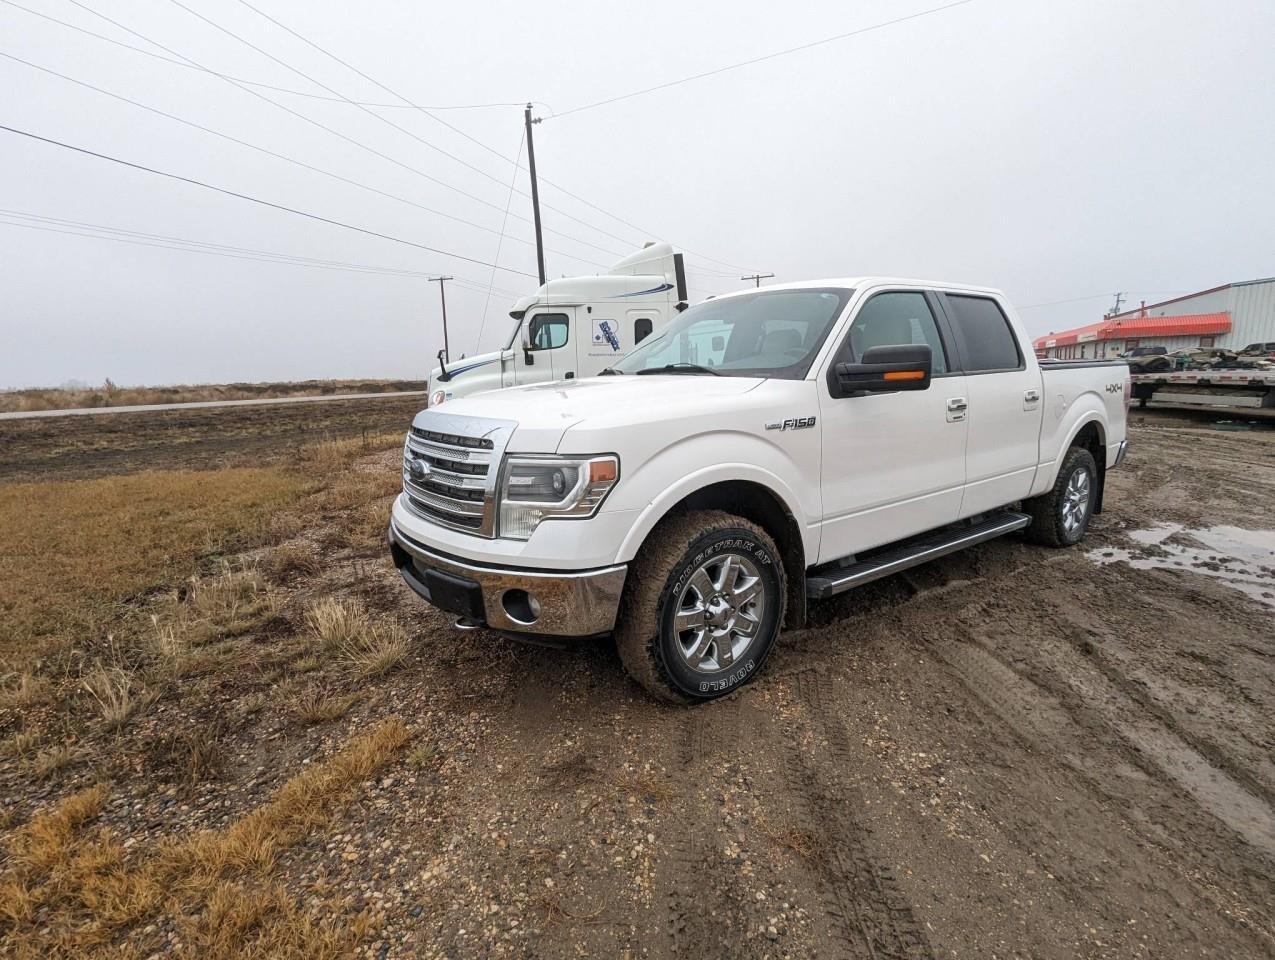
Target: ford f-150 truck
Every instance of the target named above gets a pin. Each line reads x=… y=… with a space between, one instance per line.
x=765 y=449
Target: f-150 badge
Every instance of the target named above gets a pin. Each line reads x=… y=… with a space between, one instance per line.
x=798 y=423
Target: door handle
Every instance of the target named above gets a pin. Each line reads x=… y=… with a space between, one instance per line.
x=1031 y=396
x=956 y=409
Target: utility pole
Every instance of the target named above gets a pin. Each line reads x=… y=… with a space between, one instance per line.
x=535 y=193
x=442 y=295
x=757 y=278
x=1115 y=311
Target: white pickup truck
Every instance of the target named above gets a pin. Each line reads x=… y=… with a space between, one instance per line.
x=765 y=449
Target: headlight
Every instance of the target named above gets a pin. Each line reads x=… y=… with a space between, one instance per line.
x=539 y=488
x=435 y=398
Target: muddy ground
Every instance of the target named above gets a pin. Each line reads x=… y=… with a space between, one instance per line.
x=1011 y=752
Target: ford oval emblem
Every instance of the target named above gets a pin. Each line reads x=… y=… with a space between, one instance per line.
x=418 y=469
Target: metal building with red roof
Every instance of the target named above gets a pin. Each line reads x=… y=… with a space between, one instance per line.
x=1233 y=316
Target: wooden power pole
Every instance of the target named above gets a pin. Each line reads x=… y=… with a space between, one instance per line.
x=535 y=193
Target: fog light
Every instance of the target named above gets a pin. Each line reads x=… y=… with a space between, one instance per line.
x=521 y=607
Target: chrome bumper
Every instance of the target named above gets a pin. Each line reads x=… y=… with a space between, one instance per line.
x=1121 y=451
x=551 y=604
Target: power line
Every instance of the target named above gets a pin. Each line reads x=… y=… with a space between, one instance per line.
x=256 y=83
x=321 y=126
x=1092 y=296
x=419 y=139
x=490 y=149
x=769 y=56
x=257 y=200
x=279 y=156
x=167 y=241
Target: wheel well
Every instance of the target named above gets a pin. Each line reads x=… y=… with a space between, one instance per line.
x=754 y=502
x=1090 y=437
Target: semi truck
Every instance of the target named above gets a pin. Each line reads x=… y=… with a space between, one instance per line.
x=574 y=326
x=765 y=450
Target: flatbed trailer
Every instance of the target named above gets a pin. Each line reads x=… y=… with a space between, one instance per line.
x=1206 y=388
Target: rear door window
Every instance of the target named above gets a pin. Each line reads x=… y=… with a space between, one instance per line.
x=986 y=339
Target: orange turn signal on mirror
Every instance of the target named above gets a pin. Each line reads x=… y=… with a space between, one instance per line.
x=904 y=375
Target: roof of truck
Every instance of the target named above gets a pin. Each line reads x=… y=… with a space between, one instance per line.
x=869 y=281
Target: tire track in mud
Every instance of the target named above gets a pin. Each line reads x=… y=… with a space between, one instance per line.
x=1038 y=717
x=867 y=913
x=700 y=920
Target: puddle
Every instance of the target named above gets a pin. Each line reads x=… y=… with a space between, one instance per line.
x=1242 y=559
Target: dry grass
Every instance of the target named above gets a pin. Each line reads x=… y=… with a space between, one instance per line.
x=293 y=560
x=68 y=891
x=73 y=552
x=335 y=623
x=344 y=628
x=377 y=650
x=332 y=454
x=20 y=745
x=53 y=760
x=110 y=395
x=112 y=689
x=28 y=691
x=319 y=706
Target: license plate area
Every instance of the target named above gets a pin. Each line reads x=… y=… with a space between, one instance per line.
x=454 y=594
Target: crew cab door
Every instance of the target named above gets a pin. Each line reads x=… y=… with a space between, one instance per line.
x=1003 y=388
x=547 y=351
x=893 y=464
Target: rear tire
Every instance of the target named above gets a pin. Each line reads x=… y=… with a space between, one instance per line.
x=1061 y=516
x=702 y=607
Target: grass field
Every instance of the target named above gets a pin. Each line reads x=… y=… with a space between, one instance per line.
x=137 y=607
x=111 y=395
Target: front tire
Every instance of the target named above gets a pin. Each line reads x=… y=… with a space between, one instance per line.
x=702 y=607
x=1061 y=516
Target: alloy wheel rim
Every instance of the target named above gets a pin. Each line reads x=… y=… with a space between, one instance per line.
x=719 y=612
x=1075 y=502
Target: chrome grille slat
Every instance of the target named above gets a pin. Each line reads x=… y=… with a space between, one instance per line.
x=458 y=480
x=456 y=454
x=468 y=508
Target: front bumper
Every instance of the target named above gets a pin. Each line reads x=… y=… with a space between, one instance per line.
x=545 y=603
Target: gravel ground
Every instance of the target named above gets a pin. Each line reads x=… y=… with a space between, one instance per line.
x=1011 y=752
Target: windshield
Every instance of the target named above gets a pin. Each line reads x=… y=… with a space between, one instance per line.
x=771 y=333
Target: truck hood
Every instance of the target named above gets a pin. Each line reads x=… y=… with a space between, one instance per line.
x=544 y=412
x=457 y=368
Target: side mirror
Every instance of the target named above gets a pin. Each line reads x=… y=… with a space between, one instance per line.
x=525 y=334
x=887 y=369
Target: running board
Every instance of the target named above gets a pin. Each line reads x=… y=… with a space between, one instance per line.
x=820 y=586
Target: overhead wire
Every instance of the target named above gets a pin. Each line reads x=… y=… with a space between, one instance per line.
x=322 y=126
x=478 y=342
x=167 y=241
x=755 y=60
x=257 y=200
x=404 y=130
x=280 y=156
x=485 y=146
x=254 y=83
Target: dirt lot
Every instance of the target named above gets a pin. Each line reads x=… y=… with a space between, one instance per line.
x=1012 y=752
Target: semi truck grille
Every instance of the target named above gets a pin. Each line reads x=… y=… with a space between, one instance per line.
x=449 y=475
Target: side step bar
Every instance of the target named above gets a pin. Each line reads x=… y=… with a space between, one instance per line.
x=821 y=585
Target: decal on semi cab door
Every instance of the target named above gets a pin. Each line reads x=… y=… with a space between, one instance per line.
x=604 y=335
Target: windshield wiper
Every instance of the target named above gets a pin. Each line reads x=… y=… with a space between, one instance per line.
x=680 y=367
x=610 y=372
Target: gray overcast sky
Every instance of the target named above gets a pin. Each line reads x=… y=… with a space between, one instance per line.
x=1056 y=150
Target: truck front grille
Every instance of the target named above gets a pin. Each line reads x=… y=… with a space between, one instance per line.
x=454 y=484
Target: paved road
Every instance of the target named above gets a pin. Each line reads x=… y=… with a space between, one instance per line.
x=151 y=407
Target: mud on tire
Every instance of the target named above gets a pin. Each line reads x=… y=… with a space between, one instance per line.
x=659 y=582
x=1048 y=526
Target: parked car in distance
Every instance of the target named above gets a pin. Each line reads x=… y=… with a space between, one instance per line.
x=1145 y=352
x=765 y=449
x=1266 y=349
